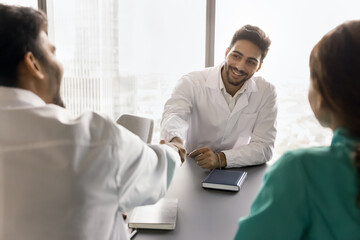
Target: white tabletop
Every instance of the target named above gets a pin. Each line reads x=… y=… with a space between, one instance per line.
x=207 y=213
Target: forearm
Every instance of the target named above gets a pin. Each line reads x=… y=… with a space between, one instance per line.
x=173 y=125
x=176 y=113
x=252 y=154
x=146 y=178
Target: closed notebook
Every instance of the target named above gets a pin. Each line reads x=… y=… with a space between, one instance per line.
x=224 y=180
x=161 y=215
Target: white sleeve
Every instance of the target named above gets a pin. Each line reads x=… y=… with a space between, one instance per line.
x=177 y=109
x=261 y=145
x=144 y=172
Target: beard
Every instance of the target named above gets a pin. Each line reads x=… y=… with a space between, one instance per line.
x=54 y=74
x=236 y=83
x=57 y=100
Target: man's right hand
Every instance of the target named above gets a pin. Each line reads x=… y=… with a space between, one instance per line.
x=177 y=144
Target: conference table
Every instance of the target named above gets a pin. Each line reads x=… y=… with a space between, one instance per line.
x=206 y=213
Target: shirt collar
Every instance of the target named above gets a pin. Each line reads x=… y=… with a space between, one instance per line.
x=241 y=90
x=249 y=85
x=341 y=135
x=16 y=97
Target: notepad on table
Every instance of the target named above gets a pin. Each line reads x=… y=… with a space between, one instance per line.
x=161 y=215
x=224 y=180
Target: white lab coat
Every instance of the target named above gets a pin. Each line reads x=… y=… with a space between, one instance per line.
x=69 y=178
x=198 y=113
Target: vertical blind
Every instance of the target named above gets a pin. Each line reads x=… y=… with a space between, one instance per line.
x=87 y=42
x=125 y=56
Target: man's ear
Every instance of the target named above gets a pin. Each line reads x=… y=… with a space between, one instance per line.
x=33 y=65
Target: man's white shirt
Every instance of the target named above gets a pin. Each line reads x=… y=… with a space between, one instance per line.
x=198 y=113
x=70 y=178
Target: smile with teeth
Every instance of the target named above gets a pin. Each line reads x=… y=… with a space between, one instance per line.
x=238 y=73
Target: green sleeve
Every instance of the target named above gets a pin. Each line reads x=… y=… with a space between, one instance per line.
x=280 y=210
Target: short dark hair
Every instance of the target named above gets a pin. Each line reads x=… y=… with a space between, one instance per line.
x=255 y=35
x=20 y=28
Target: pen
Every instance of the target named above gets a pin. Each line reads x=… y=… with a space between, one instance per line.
x=133 y=233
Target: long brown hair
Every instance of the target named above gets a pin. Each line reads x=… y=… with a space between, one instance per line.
x=335 y=72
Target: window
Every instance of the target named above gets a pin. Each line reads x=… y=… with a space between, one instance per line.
x=294 y=28
x=86 y=36
x=159 y=42
x=125 y=56
x=26 y=3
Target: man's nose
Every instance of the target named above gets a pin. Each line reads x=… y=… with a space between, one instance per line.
x=240 y=65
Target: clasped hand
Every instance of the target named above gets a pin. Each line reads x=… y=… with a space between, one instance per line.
x=177 y=147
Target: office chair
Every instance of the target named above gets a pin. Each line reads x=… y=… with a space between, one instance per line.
x=141 y=126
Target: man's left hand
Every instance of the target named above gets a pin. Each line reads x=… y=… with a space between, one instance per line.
x=205 y=158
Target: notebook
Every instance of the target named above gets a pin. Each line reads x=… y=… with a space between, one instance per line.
x=230 y=180
x=161 y=215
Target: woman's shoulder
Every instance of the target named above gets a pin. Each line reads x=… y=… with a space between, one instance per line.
x=302 y=159
x=304 y=155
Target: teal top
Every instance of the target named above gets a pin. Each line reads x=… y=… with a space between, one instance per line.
x=308 y=194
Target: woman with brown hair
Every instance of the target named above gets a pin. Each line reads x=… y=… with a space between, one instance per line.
x=314 y=193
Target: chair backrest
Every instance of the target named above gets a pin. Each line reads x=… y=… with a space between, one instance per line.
x=141 y=126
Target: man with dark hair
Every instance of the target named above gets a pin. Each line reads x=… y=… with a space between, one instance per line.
x=64 y=177
x=224 y=114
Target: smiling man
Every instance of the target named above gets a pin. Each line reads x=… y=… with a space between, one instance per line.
x=224 y=115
